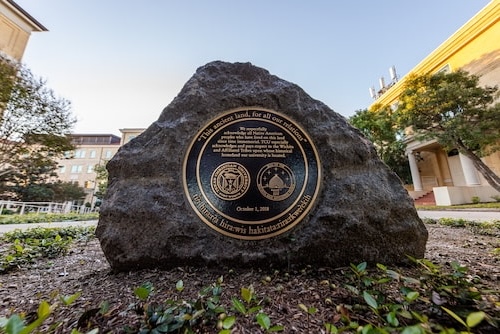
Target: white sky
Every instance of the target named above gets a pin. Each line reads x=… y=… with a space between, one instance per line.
x=120 y=62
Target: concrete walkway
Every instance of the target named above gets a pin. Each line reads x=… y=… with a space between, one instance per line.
x=476 y=215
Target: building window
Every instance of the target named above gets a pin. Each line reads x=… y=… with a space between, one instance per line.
x=395 y=106
x=79 y=153
x=109 y=154
x=76 y=169
x=445 y=69
x=62 y=169
x=92 y=154
x=90 y=168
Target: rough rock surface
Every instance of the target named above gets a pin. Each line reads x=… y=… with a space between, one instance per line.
x=363 y=213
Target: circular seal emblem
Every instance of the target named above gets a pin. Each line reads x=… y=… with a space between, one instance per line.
x=251 y=173
x=276 y=181
x=230 y=181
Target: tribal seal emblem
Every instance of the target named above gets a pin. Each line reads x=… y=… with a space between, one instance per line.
x=276 y=181
x=230 y=181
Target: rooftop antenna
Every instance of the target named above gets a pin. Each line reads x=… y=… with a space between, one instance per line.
x=381 y=82
x=393 y=74
x=372 y=92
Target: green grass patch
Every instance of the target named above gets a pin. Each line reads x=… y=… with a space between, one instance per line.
x=46 y=218
x=491 y=228
x=489 y=205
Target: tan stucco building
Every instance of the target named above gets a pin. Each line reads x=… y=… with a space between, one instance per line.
x=16 y=26
x=78 y=165
x=91 y=150
x=451 y=176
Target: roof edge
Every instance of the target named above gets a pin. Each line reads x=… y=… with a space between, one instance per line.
x=31 y=19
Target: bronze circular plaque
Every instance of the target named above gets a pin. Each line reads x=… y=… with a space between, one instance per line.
x=251 y=173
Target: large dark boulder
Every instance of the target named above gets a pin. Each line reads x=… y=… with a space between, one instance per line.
x=362 y=213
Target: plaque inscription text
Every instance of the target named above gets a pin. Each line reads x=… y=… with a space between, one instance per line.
x=251 y=173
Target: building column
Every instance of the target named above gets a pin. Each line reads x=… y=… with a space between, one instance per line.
x=415 y=174
x=470 y=173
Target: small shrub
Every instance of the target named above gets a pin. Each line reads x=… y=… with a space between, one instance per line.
x=475 y=199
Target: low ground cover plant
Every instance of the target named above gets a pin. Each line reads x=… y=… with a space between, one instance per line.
x=21 y=248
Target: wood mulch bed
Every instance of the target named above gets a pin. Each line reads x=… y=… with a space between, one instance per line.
x=86 y=270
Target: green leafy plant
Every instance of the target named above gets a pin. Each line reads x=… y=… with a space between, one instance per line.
x=373 y=308
x=178 y=315
x=472 y=320
x=309 y=311
x=225 y=323
x=16 y=324
x=265 y=323
x=249 y=304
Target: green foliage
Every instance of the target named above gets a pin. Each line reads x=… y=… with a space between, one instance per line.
x=182 y=315
x=249 y=304
x=491 y=228
x=265 y=323
x=186 y=316
x=101 y=179
x=16 y=324
x=383 y=301
x=309 y=311
x=33 y=128
x=144 y=291
x=178 y=315
x=472 y=320
x=7 y=81
x=66 y=191
x=475 y=199
x=453 y=292
x=46 y=218
x=378 y=125
x=489 y=205
x=30 y=182
x=21 y=248
x=454 y=110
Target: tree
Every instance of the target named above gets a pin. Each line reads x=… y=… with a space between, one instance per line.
x=7 y=80
x=29 y=178
x=455 y=111
x=379 y=127
x=30 y=114
x=67 y=191
x=33 y=130
x=102 y=181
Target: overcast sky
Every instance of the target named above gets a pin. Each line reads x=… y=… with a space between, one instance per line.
x=120 y=62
